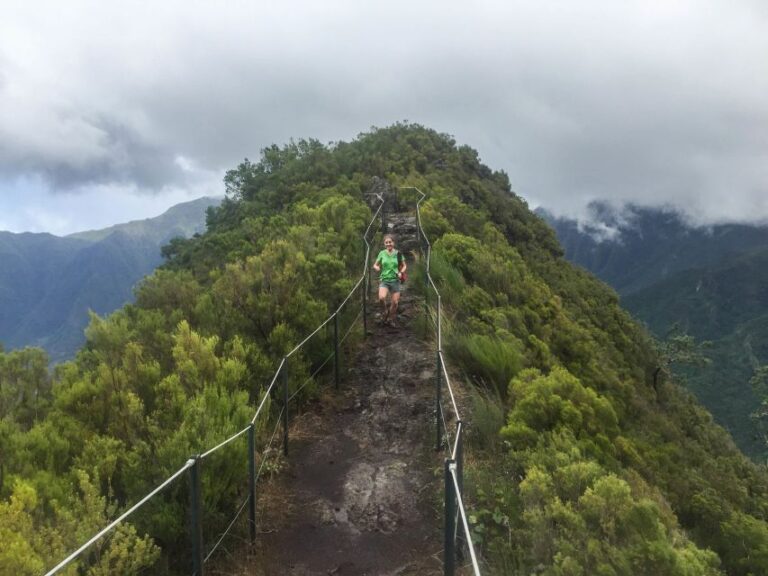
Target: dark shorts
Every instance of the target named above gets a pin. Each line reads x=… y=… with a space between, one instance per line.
x=392 y=285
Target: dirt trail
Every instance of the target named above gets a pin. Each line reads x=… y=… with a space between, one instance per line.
x=362 y=476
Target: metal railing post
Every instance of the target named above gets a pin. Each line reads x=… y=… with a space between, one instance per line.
x=449 y=546
x=439 y=322
x=196 y=516
x=365 y=301
x=438 y=406
x=460 y=456
x=285 y=407
x=426 y=276
x=336 y=348
x=460 y=478
x=252 y=482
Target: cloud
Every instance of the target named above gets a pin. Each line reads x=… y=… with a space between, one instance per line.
x=34 y=208
x=643 y=102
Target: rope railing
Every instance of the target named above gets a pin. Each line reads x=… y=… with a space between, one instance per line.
x=446 y=441
x=204 y=455
x=193 y=465
x=226 y=532
x=250 y=496
x=269 y=445
x=269 y=389
x=448 y=385
x=123 y=516
x=454 y=464
x=311 y=377
x=463 y=513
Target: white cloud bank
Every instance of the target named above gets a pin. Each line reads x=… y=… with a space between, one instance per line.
x=645 y=102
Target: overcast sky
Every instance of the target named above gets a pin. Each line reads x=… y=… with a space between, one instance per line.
x=111 y=111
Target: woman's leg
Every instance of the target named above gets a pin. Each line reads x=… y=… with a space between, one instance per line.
x=383 y=291
x=393 y=306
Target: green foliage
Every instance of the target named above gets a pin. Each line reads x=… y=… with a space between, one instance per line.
x=31 y=546
x=17 y=532
x=707 y=280
x=184 y=367
x=745 y=543
x=759 y=384
x=452 y=284
x=487 y=419
x=25 y=387
x=550 y=404
x=127 y=554
x=678 y=349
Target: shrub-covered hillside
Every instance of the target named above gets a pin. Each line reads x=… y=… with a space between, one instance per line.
x=578 y=465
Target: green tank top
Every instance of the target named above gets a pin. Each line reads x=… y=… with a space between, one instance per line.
x=388 y=265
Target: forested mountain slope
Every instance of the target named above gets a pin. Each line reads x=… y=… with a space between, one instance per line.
x=48 y=283
x=578 y=465
x=710 y=282
x=30 y=265
x=633 y=248
x=727 y=305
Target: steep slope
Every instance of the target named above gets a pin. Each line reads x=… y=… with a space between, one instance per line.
x=100 y=277
x=31 y=265
x=48 y=284
x=727 y=305
x=709 y=303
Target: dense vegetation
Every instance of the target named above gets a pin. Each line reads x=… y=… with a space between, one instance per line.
x=579 y=466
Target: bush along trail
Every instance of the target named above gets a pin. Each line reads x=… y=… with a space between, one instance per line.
x=362 y=493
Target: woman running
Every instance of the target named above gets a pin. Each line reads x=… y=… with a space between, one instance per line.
x=391 y=265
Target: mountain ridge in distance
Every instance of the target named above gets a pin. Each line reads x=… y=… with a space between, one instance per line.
x=179 y=220
x=48 y=283
x=646 y=245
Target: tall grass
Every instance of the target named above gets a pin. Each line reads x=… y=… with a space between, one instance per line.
x=488 y=360
x=449 y=280
x=487 y=419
